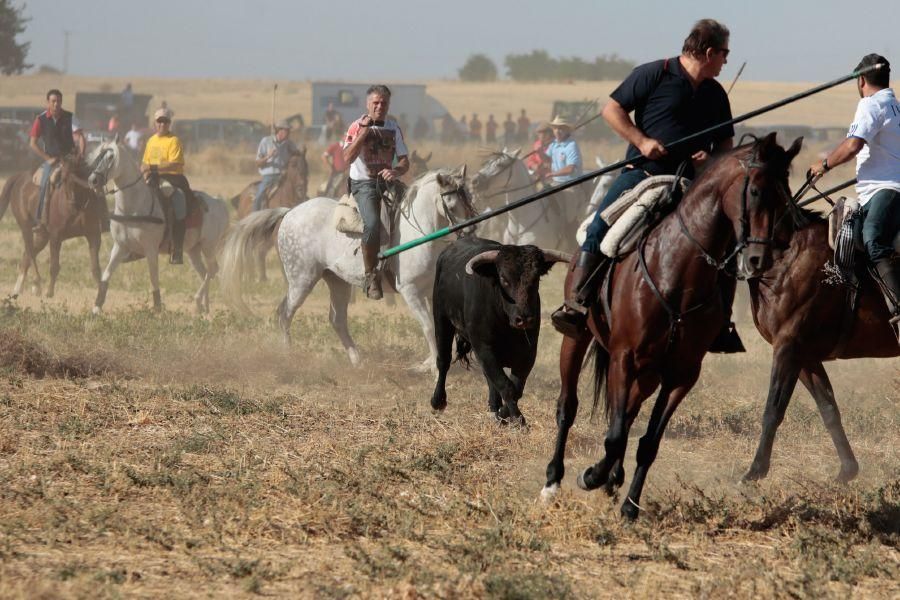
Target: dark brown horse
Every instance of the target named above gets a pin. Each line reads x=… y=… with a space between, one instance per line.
x=663 y=306
x=809 y=322
x=291 y=191
x=73 y=211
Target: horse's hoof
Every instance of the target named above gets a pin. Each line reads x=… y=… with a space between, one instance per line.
x=752 y=476
x=848 y=473
x=580 y=480
x=439 y=401
x=96 y=311
x=49 y=294
x=630 y=510
x=549 y=493
x=352 y=354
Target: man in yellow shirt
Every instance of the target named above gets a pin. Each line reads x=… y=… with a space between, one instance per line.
x=164 y=159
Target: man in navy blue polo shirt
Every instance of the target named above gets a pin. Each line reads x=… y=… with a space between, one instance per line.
x=51 y=139
x=671 y=99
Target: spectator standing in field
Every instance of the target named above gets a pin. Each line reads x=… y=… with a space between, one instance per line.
x=133 y=138
x=490 y=131
x=475 y=129
x=509 y=131
x=524 y=124
x=336 y=166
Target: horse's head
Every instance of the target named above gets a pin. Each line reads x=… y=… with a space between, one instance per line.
x=496 y=164
x=418 y=165
x=104 y=163
x=756 y=197
x=298 y=172
x=455 y=200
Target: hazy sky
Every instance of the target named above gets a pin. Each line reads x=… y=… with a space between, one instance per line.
x=802 y=40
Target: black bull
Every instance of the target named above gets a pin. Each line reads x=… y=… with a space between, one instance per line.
x=486 y=295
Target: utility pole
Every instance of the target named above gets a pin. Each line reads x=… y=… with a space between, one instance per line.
x=65 y=68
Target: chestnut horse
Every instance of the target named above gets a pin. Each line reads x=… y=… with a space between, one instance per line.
x=73 y=211
x=292 y=190
x=662 y=306
x=809 y=322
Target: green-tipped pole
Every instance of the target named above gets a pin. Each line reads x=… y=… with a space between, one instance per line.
x=618 y=165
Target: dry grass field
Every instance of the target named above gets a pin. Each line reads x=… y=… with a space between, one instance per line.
x=173 y=455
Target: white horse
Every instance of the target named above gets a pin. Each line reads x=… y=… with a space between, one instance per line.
x=312 y=249
x=137 y=225
x=546 y=223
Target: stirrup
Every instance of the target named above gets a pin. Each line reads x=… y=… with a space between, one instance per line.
x=569 y=323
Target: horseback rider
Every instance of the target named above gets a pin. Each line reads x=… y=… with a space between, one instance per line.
x=54 y=130
x=565 y=160
x=874 y=139
x=377 y=154
x=671 y=99
x=272 y=157
x=164 y=159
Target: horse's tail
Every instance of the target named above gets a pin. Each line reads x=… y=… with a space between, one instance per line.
x=6 y=194
x=240 y=247
x=601 y=366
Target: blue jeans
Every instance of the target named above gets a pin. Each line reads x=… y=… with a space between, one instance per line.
x=45 y=183
x=367 y=193
x=267 y=182
x=881 y=222
x=628 y=179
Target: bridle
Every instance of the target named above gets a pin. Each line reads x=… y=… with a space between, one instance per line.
x=100 y=176
x=745 y=240
x=508 y=161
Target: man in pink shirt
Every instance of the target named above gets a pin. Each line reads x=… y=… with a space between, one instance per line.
x=378 y=157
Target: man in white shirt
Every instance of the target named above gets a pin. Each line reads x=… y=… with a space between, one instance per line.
x=133 y=138
x=874 y=139
x=378 y=157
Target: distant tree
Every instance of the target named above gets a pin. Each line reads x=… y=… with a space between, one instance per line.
x=538 y=65
x=12 y=23
x=478 y=67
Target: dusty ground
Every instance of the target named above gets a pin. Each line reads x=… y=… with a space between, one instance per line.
x=168 y=454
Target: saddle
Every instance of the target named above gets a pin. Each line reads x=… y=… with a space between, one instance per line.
x=194 y=210
x=346 y=217
x=845 y=236
x=55 y=175
x=638 y=210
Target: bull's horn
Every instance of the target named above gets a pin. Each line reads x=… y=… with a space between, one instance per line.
x=557 y=256
x=484 y=257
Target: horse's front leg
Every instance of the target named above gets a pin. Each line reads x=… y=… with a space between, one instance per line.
x=116 y=255
x=55 y=247
x=194 y=255
x=815 y=379
x=153 y=268
x=571 y=355
x=418 y=303
x=93 y=241
x=785 y=370
x=625 y=390
x=670 y=396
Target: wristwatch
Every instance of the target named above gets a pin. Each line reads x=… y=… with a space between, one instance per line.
x=825 y=166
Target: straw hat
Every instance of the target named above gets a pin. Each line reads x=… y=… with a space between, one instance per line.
x=559 y=121
x=162 y=113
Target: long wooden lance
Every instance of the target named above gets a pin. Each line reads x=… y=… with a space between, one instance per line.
x=618 y=165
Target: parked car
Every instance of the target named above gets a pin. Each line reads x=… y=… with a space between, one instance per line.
x=196 y=134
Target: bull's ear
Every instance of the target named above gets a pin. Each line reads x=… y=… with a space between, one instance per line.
x=551 y=257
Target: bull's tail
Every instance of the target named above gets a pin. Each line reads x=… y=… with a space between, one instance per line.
x=6 y=194
x=463 y=348
x=240 y=247
x=601 y=367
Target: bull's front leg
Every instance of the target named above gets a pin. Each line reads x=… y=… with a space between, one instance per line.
x=508 y=390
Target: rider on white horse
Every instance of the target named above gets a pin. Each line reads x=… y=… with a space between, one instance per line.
x=377 y=154
x=164 y=159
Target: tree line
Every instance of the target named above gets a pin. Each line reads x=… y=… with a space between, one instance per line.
x=538 y=65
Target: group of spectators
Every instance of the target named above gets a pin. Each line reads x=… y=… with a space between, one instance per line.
x=471 y=129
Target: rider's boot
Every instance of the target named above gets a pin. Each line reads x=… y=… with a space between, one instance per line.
x=373 y=277
x=889 y=271
x=177 y=242
x=571 y=318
